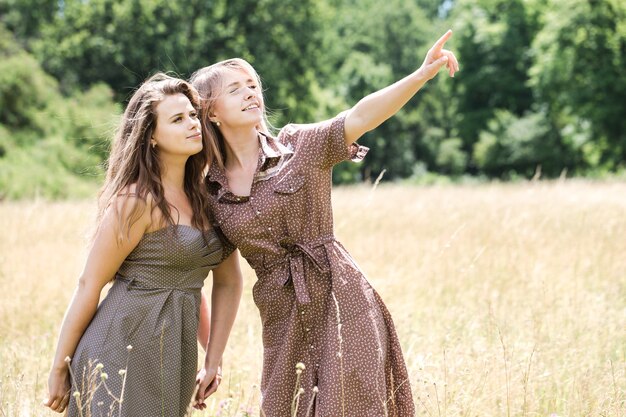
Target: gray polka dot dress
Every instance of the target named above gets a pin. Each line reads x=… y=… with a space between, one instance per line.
x=152 y=306
x=316 y=306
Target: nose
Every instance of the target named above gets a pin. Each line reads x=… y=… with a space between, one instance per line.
x=194 y=123
x=250 y=93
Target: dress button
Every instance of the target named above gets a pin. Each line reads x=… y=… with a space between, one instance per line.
x=312 y=347
x=269 y=228
x=307 y=329
x=258 y=212
x=251 y=198
x=302 y=312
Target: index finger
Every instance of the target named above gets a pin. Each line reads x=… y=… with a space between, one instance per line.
x=439 y=44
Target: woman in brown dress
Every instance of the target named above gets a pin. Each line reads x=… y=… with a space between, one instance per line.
x=271 y=198
x=135 y=354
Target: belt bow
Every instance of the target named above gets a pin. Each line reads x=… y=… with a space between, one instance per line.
x=295 y=254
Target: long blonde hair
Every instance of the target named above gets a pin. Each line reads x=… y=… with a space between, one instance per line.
x=209 y=83
x=134 y=163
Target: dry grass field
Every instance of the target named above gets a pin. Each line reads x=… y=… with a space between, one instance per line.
x=510 y=300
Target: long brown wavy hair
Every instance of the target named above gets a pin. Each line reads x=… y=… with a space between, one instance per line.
x=134 y=165
x=209 y=83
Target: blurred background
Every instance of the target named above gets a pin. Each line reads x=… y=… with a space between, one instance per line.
x=540 y=93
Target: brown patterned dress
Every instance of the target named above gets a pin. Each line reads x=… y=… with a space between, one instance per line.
x=316 y=306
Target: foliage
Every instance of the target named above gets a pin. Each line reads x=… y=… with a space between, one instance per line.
x=517 y=146
x=121 y=43
x=51 y=170
x=50 y=145
x=365 y=61
x=24 y=18
x=493 y=42
x=540 y=81
x=580 y=57
x=25 y=90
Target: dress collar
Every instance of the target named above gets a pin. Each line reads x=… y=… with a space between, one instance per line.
x=272 y=157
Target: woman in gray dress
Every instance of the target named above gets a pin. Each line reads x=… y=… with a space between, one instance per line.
x=135 y=354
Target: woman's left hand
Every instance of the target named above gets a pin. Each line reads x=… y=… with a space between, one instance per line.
x=208 y=380
x=437 y=57
x=58 y=390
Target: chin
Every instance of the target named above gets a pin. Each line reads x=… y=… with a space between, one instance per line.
x=195 y=149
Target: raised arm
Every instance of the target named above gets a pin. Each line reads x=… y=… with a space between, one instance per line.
x=377 y=107
x=225 y=297
x=104 y=259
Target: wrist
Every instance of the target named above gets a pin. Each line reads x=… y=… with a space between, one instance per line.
x=61 y=367
x=60 y=370
x=212 y=362
x=421 y=76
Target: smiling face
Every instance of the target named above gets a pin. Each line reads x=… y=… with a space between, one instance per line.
x=240 y=102
x=177 y=130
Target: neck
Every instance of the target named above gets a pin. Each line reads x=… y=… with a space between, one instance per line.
x=242 y=148
x=173 y=173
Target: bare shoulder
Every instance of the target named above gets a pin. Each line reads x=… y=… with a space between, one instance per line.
x=131 y=209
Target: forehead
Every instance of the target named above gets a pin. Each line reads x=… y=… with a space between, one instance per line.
x=236 y=75
x=173 y=104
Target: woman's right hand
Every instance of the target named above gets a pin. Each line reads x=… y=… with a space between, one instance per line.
x=58 y=390
x=437 y=57
x=208 y=380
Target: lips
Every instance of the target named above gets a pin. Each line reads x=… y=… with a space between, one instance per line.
x=252 y=107
x=196 y=135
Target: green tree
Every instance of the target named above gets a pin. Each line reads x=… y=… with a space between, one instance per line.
x=493 y=43
x=24 y=18
x=369 y=51
x=121 y=43
x=578 y=76
x=50 y=145
x=25 y=90
x=514 y=146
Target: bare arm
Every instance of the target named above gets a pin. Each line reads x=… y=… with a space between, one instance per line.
x=204 y=325
x=103 y=261
x=225 y=297
x=377 y=107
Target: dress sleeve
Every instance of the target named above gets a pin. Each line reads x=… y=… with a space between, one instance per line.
x=324 y=142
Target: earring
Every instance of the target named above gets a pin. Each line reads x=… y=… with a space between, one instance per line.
x=153 y=145
x=218 y=124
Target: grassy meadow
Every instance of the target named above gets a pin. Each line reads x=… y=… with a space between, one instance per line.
x=509 y=299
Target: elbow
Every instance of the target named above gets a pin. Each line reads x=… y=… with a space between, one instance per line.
x=86 y=287
x=82 y=284
x=231 y=289
x=234 y=284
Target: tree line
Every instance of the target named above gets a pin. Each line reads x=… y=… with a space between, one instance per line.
x=540 y=86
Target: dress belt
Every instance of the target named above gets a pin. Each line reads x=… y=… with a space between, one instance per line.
x=131 y=284
x=294 y=255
